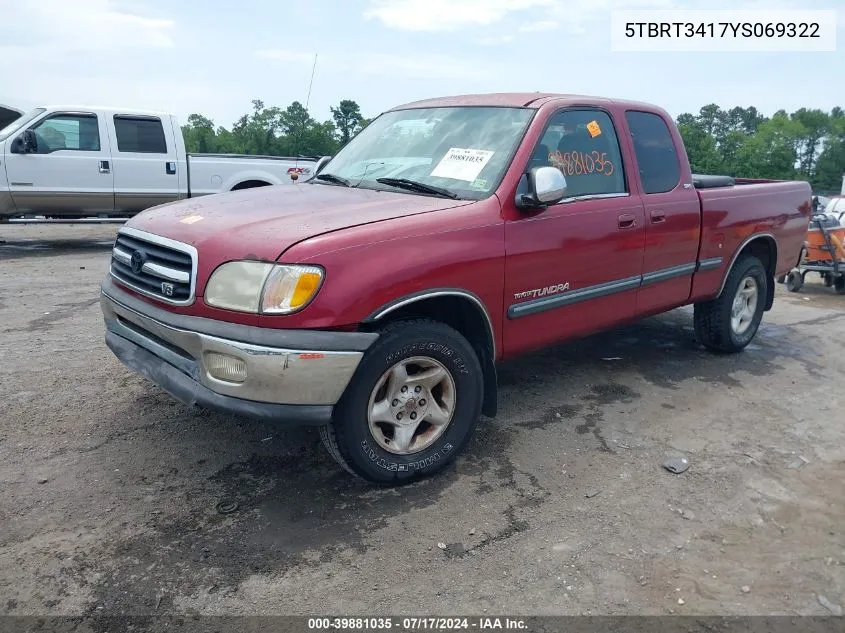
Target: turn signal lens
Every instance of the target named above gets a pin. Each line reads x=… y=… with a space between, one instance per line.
x=290 y=288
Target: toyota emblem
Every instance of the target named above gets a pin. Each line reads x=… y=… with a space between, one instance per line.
x=137 y=262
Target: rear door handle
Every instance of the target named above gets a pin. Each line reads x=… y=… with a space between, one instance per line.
x=104 y=167
x=658 y=216
x=626 y=221
x=170 y=168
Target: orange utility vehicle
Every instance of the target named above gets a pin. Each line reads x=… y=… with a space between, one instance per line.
x=823 y=253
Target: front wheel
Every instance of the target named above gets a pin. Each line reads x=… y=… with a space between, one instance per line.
x=730 y=321
x=411 y=407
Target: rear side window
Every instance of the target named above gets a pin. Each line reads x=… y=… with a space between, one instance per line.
x=660 y=169
x=140 y=135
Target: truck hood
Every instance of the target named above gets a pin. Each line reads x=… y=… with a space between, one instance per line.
x=262 y=223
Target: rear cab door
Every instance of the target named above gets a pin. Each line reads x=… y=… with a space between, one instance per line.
x=69 y=171
x=144 y=158
x=573 y=267
x=672 y=210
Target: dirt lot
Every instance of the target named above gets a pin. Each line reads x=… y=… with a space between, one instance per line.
x=560 y=506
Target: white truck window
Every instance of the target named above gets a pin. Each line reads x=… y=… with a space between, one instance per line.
x=143 y=135
x=68 y=131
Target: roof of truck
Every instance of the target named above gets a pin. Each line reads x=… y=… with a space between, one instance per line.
x=517 y=100
x=101 y=108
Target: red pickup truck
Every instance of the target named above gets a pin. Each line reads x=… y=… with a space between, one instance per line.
x=375 y=300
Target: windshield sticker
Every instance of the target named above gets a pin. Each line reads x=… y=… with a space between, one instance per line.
x=478 y=183
x=580 y=163
x=462 y=164
x=593 y=128
x=191 y=219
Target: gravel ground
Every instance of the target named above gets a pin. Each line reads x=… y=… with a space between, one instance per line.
x=560 y=505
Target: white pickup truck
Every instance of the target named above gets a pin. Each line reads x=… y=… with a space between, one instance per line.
x=72 y=162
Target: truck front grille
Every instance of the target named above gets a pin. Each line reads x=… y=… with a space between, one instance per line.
x=154 y=266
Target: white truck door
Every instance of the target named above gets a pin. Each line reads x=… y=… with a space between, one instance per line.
x=68 y=172
x=144 y=162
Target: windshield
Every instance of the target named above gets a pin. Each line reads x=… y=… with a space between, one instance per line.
x=17 y=124
x=464 y=150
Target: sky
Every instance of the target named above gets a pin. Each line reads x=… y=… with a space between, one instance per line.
x=215 y=57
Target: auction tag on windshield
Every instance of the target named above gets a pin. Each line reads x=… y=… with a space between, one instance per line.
x=593 y=128
x=191 y=219
x=462 y=164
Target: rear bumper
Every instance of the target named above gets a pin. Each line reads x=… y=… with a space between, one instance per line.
x=290 y=376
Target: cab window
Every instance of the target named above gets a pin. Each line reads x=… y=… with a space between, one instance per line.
x=139 y=135
x=583 y=145
x=660 y=169
x=78 y=132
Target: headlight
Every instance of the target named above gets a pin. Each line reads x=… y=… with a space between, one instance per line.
x=263 y=288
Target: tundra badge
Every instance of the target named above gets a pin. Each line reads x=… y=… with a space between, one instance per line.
x=542 y=292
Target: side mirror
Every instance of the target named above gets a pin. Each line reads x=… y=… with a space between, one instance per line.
x=29 y=142
x=546 y=185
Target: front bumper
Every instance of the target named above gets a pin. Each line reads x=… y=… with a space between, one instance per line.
x=292 y=376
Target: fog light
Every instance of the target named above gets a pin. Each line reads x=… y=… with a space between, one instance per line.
x=224 y=367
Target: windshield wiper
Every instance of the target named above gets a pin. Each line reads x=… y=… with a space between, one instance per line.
x=413 y=185
x=335 y=179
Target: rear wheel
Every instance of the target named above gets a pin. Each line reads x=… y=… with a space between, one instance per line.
x=730 y=321
x=411 y=407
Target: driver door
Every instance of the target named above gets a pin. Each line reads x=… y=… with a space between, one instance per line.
x=70 y=170
x=574 y=267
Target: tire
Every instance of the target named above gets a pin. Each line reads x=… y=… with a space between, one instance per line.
x=839 y=285
x=720 y=328
x=373 y=451
x=794 y=281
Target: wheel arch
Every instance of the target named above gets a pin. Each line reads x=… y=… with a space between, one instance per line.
x=764 y=247
x=249 y=184
x=460 y=309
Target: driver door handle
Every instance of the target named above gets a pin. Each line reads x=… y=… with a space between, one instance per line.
x=627 y=221
x=104 y=167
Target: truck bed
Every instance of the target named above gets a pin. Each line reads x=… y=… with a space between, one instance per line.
x=212 y=173
x=733 y=212
x=707 y=181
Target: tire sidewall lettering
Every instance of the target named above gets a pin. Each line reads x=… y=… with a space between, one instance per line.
x=388 y=464
x=439 y=349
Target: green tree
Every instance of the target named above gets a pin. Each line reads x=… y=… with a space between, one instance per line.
x=771 y=152
x=709 y=118
x=831 y=162
x=199 y=134
x=258 y=132
x=815 y=125
x=701 y=147
x=347 y=119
